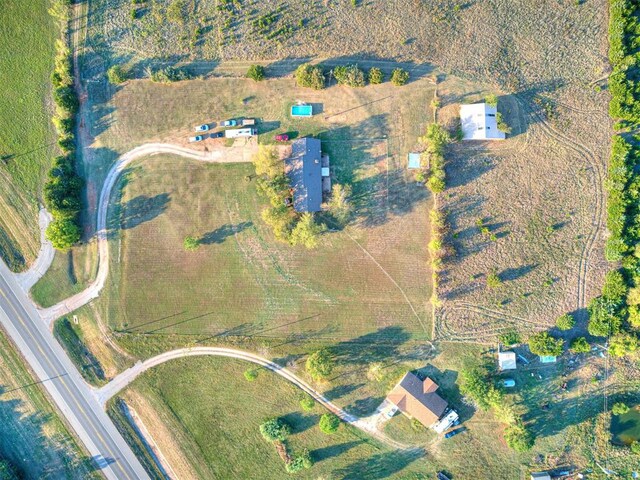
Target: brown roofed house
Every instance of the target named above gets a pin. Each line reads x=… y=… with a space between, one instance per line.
x=417 y=399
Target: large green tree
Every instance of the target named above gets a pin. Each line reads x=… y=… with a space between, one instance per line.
x=267 y=162
x=544 y=344
x=63 y=233
x=307 y=231
x=319 y=364
x=311 y=76
x=275 y=429
x=329 y=423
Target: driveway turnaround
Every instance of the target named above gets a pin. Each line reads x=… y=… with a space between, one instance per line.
x=92 y=291
x=63 y=383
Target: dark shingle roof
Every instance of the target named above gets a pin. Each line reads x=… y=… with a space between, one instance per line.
x=305 y=173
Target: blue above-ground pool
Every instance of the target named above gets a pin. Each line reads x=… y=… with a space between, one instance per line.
x=302 y=111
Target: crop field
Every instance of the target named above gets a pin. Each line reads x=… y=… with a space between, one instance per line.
x=26 y=139
x=33 y=438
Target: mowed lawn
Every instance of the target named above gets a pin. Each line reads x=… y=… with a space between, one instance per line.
x=32 y=436
x=27 y=37
x=241 y=282
x=214 y=431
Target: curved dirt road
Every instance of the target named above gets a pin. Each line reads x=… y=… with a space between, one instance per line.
x=121 y=381
x=92 y=291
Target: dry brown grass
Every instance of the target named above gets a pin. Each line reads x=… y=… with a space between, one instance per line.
x=503 y=40
x=540 y=195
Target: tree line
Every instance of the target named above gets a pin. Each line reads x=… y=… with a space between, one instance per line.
x=63 y=188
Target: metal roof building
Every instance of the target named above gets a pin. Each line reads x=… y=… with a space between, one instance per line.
x=507 y=360
x=304 y=170
x=479 y=122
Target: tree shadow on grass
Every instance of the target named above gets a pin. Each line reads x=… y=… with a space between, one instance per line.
x=364 y=406
x=299 y=422
x=342 y=390
x=220 y=234
x=325 y=453
x=382 y=465
x=510 y=274
x=136 y=211
x=376 y=346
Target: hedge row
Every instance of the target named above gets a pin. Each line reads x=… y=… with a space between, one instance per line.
x=614 y=313
x=63 y=189
x=435 y=139
x=624 y=38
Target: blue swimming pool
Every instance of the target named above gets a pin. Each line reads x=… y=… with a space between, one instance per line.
x=302 y=110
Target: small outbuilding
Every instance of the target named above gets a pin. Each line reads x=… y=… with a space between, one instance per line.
x=507 y=360
x=540 y=476
x=479 y=122
x=548 y=359
x=413 y=161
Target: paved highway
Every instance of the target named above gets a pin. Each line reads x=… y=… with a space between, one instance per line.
x=70 y=393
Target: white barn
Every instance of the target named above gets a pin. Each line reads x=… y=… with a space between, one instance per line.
x=479 y=122
x=507 y=361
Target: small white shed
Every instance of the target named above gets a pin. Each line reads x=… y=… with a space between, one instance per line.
x=479 y=122
x=507 y=360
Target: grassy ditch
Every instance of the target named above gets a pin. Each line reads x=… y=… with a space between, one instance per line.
x=117 y=411
x=71 y=339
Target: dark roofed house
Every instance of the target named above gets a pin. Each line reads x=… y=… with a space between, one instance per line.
x=304 y=169
x=417 y=399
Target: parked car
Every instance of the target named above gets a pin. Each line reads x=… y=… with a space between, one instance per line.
x=454 y=432
x=229 y=123
x=282 y=137
x=442 y=476
x=217 y=135
x=509 y=382
x=202 y=128
x=197 y=138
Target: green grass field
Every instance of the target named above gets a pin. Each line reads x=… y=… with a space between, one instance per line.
x=32 y=436
x=26 y=135
x=214 y=431
x=70 y=273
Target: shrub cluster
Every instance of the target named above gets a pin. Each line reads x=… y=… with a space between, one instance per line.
x=436 y=139
x=256 y=72
x=63 y=188
x=349 y=75
x=476 y=384
x=310 y=76
x=168 y=75
x=624 y=36
x=116 y=75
